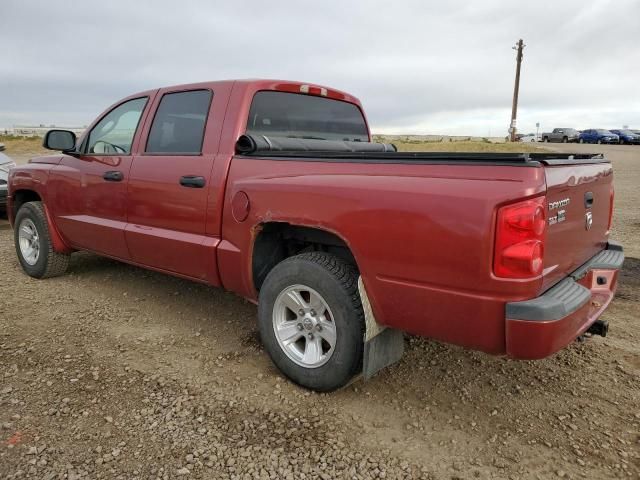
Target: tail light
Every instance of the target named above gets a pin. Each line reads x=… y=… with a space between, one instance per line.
x=519 y=247
x=611 y=198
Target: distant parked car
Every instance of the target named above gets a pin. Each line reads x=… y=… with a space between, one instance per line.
x=530 y=137
x=627 y=136
x=564 y=135
x=5 y=164
x=598 y=135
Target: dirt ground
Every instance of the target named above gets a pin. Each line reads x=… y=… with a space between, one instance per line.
x=115 y=372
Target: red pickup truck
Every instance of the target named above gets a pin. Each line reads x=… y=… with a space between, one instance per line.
x=275 y=191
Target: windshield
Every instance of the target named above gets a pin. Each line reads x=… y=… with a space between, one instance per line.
x=604 y=132
x=294 y=115
x=626 y=132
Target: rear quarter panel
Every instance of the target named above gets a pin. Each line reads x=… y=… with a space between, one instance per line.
x=422 y=236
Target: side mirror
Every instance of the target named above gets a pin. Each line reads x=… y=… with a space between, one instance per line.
x=63 y=140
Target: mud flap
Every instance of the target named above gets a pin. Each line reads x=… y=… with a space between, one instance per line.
x=383 y=346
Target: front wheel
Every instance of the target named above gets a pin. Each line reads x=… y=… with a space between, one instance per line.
x=565 y=140
x=599 y=141
x=311 y=320
x=33 y=243
x=581 y=140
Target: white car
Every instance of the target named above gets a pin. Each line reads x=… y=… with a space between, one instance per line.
x=528 y=138
x=5 y=164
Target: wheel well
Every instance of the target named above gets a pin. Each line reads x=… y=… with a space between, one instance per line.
x=21 y=197
x=277 y=241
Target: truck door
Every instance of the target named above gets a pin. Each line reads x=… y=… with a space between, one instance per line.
x=170 y=182
x=89 y=190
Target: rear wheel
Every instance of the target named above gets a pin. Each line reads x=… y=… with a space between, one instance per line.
x=311 y=320
x=33 y=243
x=599 y=141
x=545 y=139
x=581 y=140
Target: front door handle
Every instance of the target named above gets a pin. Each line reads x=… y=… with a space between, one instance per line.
x=192 y=181
x=113 y=176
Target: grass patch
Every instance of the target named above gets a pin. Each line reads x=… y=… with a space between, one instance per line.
x=22 y=146
x=15 y=145
x=484 y=145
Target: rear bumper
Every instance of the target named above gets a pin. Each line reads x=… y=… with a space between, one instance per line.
x=540 y=327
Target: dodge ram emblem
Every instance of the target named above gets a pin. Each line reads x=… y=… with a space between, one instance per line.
x=588 y=220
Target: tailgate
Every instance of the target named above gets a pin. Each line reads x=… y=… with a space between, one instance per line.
x=578 y=207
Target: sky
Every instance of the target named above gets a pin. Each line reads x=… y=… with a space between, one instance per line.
x=419 y=67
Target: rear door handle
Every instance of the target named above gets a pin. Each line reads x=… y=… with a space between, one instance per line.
x=192 y=181
x=113 y=176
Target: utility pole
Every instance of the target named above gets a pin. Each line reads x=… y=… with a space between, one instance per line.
x=516 y=88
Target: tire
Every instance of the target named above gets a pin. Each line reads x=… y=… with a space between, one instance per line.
x=581 y=140
x=313 y=278
x=545 y=139
x=599 y=142
x=31 y=235
x=565 y=140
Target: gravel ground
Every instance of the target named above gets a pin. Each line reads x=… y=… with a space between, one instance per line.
x=116 y=372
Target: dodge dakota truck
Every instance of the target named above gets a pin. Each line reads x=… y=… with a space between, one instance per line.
x=275 y=191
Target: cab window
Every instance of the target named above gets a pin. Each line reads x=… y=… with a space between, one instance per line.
x=113 y=135
x=294 y=115
x=179 y=123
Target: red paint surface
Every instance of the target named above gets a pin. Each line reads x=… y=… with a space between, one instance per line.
x=422 y=235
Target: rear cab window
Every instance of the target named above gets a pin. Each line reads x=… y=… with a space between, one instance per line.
x=179 y=123
x=284 y=114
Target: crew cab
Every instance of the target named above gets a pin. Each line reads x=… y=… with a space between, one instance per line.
x=275 y=191
x=564 y=135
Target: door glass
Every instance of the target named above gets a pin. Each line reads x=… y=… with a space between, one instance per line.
x=113 y=135
x=178 y=127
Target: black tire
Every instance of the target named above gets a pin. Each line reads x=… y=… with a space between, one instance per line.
x=545 y=139
x=49 y=263
x=565 y=140
x=599 y=142
x=337 y=282
x=581 y=140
